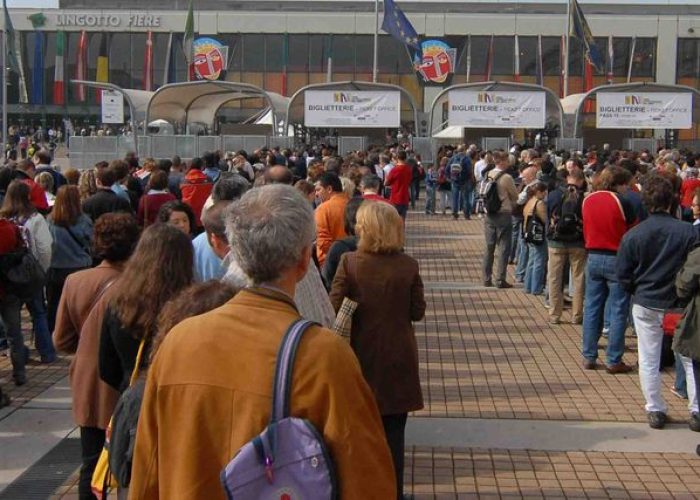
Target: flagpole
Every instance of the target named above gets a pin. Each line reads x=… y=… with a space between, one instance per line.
x=469 y=57
x=4 y=88
x=376 y=41
x=568 y=45
x=629 y=68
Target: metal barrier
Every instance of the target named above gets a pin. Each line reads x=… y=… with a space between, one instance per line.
x=641 y=144
x=280 y=142
x=568 y=143
x=492 y=143
x=249 y=143
x=207 y=143
x=425 y=147
x=348 y=144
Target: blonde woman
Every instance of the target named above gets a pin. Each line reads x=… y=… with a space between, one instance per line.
x=387 y=286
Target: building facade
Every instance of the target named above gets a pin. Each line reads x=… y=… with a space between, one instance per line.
x=282 y=46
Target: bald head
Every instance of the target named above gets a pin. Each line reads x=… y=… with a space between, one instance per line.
x=529 y=175
x=279 y=175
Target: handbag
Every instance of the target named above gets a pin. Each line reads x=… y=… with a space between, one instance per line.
x=20 y=271
x=534 y=229
x=103 y=481
x=670 y=321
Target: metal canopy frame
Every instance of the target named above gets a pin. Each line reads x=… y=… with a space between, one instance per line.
x=353 y=85
x=137 y=100
x=170 y=102
x=498 y=85
x=626 y=87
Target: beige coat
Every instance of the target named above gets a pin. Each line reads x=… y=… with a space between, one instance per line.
x=209 y=391
x=78 y=325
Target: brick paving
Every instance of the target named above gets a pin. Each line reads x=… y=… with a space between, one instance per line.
x=488 y=353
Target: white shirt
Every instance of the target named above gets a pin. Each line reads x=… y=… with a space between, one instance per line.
x=479 y=168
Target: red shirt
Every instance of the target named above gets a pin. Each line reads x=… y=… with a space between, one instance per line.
x=604 y=221
x=8 y=239
x=374 y=197
x=37 y=196
x=195 y=190
x=149 y=205
x=688 y=191
x=400 y=179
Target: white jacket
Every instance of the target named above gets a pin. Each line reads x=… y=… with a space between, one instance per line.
x=40 y=239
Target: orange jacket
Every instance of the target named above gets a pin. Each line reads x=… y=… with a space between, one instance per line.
x=330 y=224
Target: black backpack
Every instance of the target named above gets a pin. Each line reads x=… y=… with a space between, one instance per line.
x=489 y=193
x=534 y=229
x=567 y=221
x=20 y=272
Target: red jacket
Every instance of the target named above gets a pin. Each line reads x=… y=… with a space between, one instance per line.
x=37 y=196
x=195 y=190
x=400 y=179
x=9 y=240
x=688 y=192
x=605 y=221
x=149 y=204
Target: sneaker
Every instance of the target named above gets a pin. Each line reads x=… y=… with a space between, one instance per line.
x=554 y=321
x=618 y=368
x=656 y=419
x=678 y=393
x=694 y=422
x=504 y=284
x=606 y=331
x=577 y=321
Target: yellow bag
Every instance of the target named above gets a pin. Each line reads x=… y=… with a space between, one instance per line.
x=103 y=482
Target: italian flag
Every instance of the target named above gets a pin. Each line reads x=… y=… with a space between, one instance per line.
x=58 y=84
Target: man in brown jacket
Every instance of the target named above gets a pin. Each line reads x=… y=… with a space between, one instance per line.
x=209 y=390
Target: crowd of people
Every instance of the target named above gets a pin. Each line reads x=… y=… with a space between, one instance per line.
x=131 y=251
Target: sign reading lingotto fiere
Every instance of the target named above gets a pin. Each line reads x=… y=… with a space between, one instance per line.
x=644 y=110
x=335 y=108
x=482 y=109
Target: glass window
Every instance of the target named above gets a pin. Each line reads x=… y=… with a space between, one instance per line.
x=364 y=53
x=253 y=52
x=298 y=53
x=319 y=50
x=120 y=60
x=274 y=53
x=621 y=47
x=602 y=44
x=49 y=66
x=575 y=57
x=480 y=48
x=644 y=61
x=138 y=53
x=528 y=55
x=343 y=54
x=688 y=58
x=388 y=59
x=503 y=55
x=551 y=55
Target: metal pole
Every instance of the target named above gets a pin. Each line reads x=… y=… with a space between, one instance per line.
x=4 y=88
x=376 y=41
x=568 y=48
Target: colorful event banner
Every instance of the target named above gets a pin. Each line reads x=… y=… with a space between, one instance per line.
x=481 y=109
x=661 y=110
x=329 y=108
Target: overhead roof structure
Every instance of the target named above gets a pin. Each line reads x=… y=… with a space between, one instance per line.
x=553 y=111
x=200 y=101
x=295 y=111
x=638 y=87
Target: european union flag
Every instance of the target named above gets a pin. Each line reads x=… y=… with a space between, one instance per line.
x=578 y=28
x=397 y=25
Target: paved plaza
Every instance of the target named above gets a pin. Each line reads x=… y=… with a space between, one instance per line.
x=509 y=411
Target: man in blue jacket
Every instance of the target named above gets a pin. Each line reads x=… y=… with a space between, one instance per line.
x=650 y=256
x=459 y=173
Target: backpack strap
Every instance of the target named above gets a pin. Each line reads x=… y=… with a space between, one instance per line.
x=285 y=364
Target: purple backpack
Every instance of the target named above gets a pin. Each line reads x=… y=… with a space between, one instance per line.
x=288 y=460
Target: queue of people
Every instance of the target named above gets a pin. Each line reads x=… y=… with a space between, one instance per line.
x=241 y=244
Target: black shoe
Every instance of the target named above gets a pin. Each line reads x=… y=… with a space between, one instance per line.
x=656 y=419
x=589 y=364
x=20 y=378
x=4 y=399
x=504 y=284
x=488 y=283
x=694 y=422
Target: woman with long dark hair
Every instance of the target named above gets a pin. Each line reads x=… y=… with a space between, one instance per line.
x=71 y=231
x=18 y=207
x=161 y=266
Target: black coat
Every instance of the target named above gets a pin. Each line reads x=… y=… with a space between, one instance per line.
x=103 y=202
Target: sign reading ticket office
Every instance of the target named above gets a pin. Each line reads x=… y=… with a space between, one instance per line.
x=334 y=108
x=637 y=110
x=482 y=109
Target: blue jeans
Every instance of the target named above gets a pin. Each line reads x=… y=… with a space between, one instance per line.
x=601 y=284
x=516 y=237
x=468 y=199
x=456 y=198
x=429 y=199
x=536 y=265
x=679 y=383
x=522 y=259
x=40 y=325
